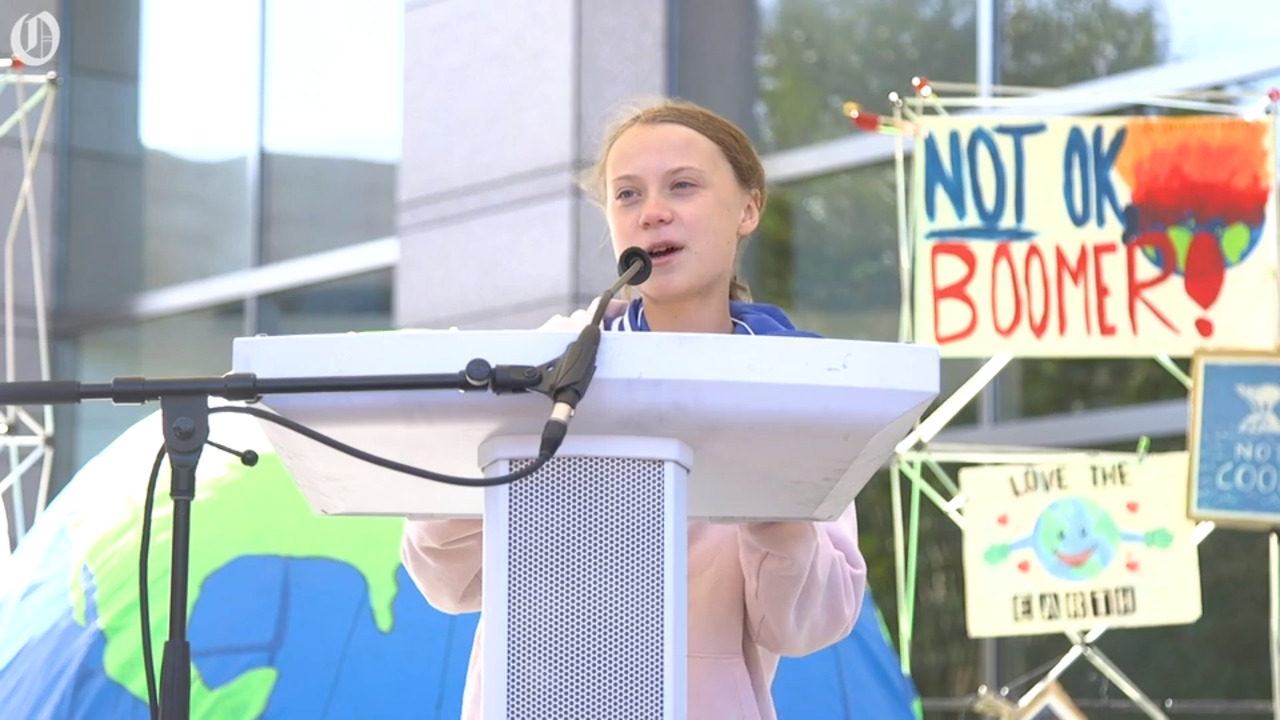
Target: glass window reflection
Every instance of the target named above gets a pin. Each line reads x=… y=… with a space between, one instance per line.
x=1198 y=29
x=1060 y=43
x=1069 y=41
x=348 y=305
x=827 y=251
x=332 y=117
x=817 y=54
x=163 y=133
x=198 y=100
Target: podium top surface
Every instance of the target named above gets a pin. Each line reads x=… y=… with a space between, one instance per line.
x=780 y=427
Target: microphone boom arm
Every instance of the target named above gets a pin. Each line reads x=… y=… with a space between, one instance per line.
x=565 y=379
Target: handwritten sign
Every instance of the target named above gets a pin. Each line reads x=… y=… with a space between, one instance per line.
x=1051 y=548
x=1235 y=439
x=1094 y=236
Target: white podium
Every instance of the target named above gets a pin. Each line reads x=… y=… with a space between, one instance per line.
x=584 y=579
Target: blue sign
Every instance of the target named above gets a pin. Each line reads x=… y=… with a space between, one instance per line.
x=1235 y=439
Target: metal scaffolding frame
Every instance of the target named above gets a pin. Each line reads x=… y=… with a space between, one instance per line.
x=920 y=452
x=26 y=434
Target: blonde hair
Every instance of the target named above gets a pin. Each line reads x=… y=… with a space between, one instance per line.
x=731 y=140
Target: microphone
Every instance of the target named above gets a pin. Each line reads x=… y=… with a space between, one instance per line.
x=635 y=266
x=577 y=366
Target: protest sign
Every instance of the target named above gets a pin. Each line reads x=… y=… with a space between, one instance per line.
x=1094 y=236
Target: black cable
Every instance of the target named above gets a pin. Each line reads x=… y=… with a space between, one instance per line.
x=549 y=445
x=323 y=439
x=144 y=605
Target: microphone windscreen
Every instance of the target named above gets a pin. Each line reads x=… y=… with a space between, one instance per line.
x=629 y=257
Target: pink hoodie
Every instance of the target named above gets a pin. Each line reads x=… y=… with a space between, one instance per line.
x=757 y=591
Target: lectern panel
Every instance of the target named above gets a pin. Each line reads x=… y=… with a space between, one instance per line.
x=783 y=428
x=585 y=590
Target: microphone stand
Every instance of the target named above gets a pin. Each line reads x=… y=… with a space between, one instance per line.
x=184 y=412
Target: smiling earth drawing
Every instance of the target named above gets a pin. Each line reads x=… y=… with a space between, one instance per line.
x=1076 y=539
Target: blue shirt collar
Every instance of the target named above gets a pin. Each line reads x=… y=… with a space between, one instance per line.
x=748 y=319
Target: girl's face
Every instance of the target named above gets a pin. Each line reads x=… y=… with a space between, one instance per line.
x=671 y=191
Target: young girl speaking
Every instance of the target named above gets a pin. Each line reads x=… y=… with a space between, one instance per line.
x=687 y=186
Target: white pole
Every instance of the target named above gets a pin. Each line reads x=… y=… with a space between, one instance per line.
x=1275 y=624
x=986 y=47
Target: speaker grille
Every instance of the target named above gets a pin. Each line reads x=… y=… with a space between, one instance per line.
x=585 y=590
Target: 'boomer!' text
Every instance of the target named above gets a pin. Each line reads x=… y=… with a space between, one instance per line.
x=1013 y=265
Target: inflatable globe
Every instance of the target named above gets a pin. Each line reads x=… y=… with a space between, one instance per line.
x=292 y=615
x=1075 y=539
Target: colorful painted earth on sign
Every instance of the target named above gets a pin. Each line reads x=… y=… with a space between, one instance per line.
x=1200 y=188
x=292 y=615
x=1077 y=539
